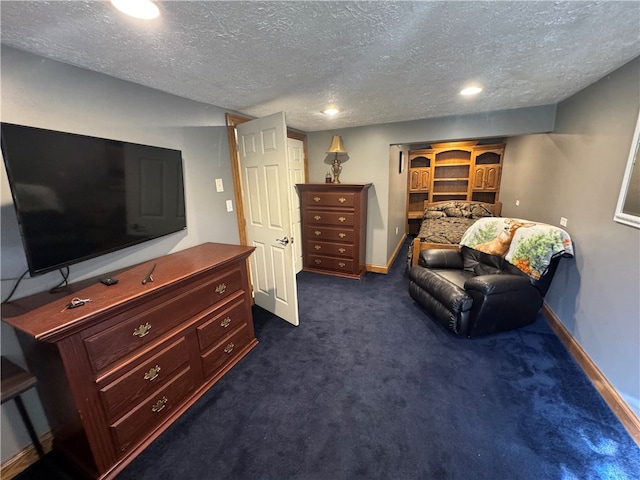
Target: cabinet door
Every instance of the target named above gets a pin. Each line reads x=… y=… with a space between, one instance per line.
x=491 y=178
x=486 y=178
x=414 y=180
x=424 y=179
x=419 y=179
x=478 y=178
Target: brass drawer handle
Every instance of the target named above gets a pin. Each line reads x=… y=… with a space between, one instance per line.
x=342 y=219
x=342 y=250
x=342 y=235
x=142 y=330
x=229 y=348
x=152 y=374
x=316 y=199
x=318 y=261
x=341 y=265
x=317 y=247
x=220 y=289
x=342 y=199
x=159 y=405
x=225 y=322
x=317 y=233
x=317 y=217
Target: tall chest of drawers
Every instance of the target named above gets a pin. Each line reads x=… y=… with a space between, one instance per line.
x=334 y=228
x=114 y=373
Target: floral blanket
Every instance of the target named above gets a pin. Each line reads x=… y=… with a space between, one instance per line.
x=530 y=246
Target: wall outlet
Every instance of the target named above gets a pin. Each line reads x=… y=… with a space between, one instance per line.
x=396 y=230
x=517 y=203
x=219 y=186
x=229 y=205
x=563 y=221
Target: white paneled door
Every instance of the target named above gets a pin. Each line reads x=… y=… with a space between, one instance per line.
x=296 y=176
x=262 y=146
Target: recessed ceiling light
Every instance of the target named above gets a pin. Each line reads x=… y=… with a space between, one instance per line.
x=144 y=9
x=470 y=91
x=331 y=111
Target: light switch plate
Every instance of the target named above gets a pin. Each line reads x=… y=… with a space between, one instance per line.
x=229 y=206
x=219 y=186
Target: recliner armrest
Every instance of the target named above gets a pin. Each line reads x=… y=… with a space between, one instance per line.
x=499 y=283
x=441 y=258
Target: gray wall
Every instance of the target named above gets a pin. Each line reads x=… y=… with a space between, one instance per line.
x=47 y=94
x=370 y=161
x=576 y=172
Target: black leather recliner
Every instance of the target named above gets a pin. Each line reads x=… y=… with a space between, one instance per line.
x=472 y=293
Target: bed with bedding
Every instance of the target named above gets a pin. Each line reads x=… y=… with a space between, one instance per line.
x=444 y=223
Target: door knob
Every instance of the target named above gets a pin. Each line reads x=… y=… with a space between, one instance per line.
x=283 y=241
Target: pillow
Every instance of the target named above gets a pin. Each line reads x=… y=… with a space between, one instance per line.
x=479 y=210
x=432 y=214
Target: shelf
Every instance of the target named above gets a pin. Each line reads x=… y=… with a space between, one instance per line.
x=451 y=179
x=415 y=214
x=452 y=164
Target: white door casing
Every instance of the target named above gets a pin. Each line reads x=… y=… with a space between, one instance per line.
x=262 y=147
x=295 y=148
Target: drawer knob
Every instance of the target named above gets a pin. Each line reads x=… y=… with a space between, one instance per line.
x=341 y=265
x=317 y=217
x=317 y=233
x=342 y=219
x=229 y=348
x=318 y=261
x=152 y=374
x=159 y=405
x=316 y=199
x=317 y=247
x=342 y=199
x=225 y=322
x=142 y=330
x=342 y=235
x=342 y=250
x=220 y=289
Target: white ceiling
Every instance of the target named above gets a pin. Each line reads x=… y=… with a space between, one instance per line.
x=378 y=61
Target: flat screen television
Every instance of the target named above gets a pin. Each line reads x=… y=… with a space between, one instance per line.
x=77 y=197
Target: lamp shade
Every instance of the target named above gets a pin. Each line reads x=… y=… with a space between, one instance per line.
x=336 y=145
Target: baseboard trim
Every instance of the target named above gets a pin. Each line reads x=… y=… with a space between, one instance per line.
x=627 y=417
x=385 y=269
x=25 y=458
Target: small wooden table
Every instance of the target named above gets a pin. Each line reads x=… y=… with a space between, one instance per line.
x=16 y=381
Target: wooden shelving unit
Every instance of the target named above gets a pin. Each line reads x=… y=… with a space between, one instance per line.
x=452 y=171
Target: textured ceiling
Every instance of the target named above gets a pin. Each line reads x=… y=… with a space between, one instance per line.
x=378 y=61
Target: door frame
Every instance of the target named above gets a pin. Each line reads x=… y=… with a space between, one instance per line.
x=234 y=120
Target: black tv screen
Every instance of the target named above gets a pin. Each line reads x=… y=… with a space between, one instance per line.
x=77 y=197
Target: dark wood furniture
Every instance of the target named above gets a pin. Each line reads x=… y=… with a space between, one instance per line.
x=114 y=373
x=334 y=228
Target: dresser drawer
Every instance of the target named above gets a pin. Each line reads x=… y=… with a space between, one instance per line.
x=225 y=350
x=142 y=380
x=315 y=232
x=329 y=199
x=329 y=263
x=139 y=330
x=317 y=217
x=152 y=411
x=327 y=248
x=222 y=323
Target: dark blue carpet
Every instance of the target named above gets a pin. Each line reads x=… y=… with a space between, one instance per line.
x=368 y=387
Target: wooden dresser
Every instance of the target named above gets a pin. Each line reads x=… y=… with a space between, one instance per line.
x=114 y=373
x=334 y=228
